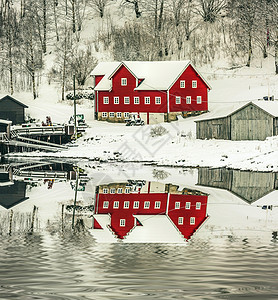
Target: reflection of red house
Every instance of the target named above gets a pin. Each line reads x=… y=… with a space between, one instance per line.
x=125 y=203
x=157 y=90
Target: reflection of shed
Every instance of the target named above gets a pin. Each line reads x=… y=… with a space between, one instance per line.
x=254 y=121
x=12 y=193
x=249 y=186
x=11 y=109
x=5 y=126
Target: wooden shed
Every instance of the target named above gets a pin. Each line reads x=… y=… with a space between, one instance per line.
x=12 y=109
x=256 y=120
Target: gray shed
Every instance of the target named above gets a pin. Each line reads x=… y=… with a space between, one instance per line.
x=256 y=120
x=13 y=110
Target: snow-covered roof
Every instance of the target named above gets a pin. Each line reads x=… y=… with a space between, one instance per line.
x=156 y=75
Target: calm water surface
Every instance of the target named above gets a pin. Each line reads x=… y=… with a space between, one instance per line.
x=233 y=256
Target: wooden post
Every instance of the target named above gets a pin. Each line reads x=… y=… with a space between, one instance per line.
x=11 y=220
x=33 y=219
x=63 y=207
x=75 y=197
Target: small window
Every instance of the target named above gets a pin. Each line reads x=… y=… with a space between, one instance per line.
x=147 y=204
x=187 y=205
x=105 y=100
x=126 y=100
x=111 y=115
x=105 y=204
x=116 y=100
x=126 y=204
x=199 y=99
x=157 y=204
x=120 y=190
x=124 y=81
x=147 y=100
x=116 y=204
x=136 y=100
x=182 y=84
x=178 y=100
x=198 y=205
x=112 y=191
x=177 y=205
x=127 y=190
x=105 y=191
x=136 y=204
x=126 y=115
x=180 y=221
x=104 y=114
x=188 y=99
x=192 y=221
x=157 y=100
x=119 y=115
x=194 y=84
x=122 y=222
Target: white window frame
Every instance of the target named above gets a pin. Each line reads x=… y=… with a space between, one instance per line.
x=127 y=190
x=182 y=84
x=105 y=204
x=188 y=99
x=198 y=205
x=180 y=221
x=157 y=204
x=157 y=100
x=105 y=100
x=199 y=99
x=194 y=84
x=126 y=115
x=146 y=204
x=178 y=99
x=192 y=220
x=177 y=205
x=105 y=191
x=111 y=115
x=104 y=115
x=116 y=204
x=120 y=190
x=122 y=222
x=147 y=100
x=126 y=204
x=123 y=81
x=119 y=115
x=136 y=100
x=136 y=204
x=112 y=191
x=117 y=100
x=187 y=205
x=126 y=100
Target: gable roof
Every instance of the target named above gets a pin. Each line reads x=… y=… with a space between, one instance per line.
x=14 y=100
x=156 y=75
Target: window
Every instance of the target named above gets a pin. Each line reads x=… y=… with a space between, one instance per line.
x=122 y=222
x=124 y=81
x=127 y=190
x=136 y=100
x=147 y=100
x=199 y=99
x=194 y=84
x=180 y=220
x=105 y=204
x=105 y=100
x=111 y=115
x=192 y=221
x=116 y=204
x=120 y=190
x=119 y=114
x=126 y=100
x=182 y=84
x=177 y=205
x=105 y=191
x=187 y=205
x=157 y=204
x=126 y=204
x=104 y=114
x=126 y=115
x=147 y=204
x=136 y=204
x=178 y=100
x=116 y=100
x=112 y=191
x=198 y=205
x=188 y=99
x=157 y=100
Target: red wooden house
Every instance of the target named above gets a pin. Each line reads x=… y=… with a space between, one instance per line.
x=158 y=91
x=123 y=208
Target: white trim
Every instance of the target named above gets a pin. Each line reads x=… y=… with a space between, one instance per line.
x=178 y=99
x=105 y=100
x=158 y=100
x=149 y=98
x=119 y=115
x=187 y=205
x=111 y=114
x=126 y=204
x=136 y=204
x=182 y=84
x=194 y=84
x=104 y=114
x=192 y=220
x=188 y=99
x=122 y=222
x=180 y=220
x=137 y=98
x=123 y=81
x=126 y=98
x=199 y=99
x=116 y=204
x=117 y=98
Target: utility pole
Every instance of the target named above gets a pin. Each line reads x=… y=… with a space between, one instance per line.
x=74 y=107
x=75 y=196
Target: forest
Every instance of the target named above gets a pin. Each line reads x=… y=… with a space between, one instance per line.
x=52 y=40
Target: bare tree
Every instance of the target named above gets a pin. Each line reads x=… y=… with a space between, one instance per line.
x=99 y=6
x=209 y=10
x=135 y=4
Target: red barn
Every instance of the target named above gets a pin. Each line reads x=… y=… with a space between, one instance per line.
x=129 y=206
x=158 y=91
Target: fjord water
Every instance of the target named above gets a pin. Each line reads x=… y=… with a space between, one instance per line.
x=232 y=256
